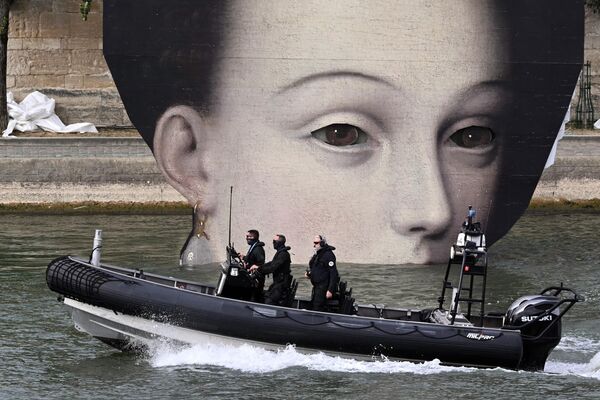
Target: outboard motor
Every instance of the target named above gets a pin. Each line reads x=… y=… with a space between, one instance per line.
x=540 y=328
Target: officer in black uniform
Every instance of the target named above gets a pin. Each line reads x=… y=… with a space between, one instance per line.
x=255 y=256
x=323 y=273
x=280 y=268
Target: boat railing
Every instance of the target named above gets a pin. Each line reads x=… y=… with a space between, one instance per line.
x=154 y=278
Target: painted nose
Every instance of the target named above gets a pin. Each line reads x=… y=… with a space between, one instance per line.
x=420 y=202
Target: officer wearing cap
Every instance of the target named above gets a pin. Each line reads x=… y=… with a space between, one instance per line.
x=322 y=272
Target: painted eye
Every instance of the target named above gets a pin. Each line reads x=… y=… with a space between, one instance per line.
x=340 y=135
x=473 y=136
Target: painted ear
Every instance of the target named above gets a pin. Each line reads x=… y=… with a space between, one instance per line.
x=178 y=148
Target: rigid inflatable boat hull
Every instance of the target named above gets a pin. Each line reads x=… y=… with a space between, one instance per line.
x=116 y=307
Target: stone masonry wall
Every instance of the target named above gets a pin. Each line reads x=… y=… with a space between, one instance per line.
x=51 y=49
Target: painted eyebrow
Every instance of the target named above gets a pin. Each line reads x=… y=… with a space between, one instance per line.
x=471 y=94
x=485 y=88
x=334 y=74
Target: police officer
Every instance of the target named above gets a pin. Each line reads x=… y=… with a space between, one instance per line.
x=280 y=268
x=322 y=272
x=255 y=256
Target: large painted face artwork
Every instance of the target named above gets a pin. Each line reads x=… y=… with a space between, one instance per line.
x=376 y=123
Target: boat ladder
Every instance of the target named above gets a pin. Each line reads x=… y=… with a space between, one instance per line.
x=473 y=263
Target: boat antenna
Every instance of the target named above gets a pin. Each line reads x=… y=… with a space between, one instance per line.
x=230 y=202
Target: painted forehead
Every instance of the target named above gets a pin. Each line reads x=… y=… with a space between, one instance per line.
x=385 y=30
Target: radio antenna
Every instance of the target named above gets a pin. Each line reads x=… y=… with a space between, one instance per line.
x=230 y=202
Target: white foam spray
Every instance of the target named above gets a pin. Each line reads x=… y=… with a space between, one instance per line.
x=253 y=359
x=588 y=370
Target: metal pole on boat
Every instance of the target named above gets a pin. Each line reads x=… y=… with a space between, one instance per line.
x=97 y=249
x=230 y=206
x=229 y=246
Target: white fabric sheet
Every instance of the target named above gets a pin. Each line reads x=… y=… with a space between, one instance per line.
x=561 y=133
x=36 y=111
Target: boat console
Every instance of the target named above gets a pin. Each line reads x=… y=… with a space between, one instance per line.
x=235 y=281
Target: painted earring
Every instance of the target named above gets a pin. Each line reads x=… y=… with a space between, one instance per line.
x=199 y=222
x=186 y=256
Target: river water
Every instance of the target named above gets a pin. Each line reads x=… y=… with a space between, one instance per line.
x=43 y=356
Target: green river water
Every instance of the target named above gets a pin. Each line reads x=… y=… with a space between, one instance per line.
x=43 y=356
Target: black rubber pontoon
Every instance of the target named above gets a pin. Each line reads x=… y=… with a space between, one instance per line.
x=531 y=330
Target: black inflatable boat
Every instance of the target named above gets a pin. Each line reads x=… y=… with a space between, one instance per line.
x=128 y=309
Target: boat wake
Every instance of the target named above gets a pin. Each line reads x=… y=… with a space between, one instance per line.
x=579 y=344
x=251 y=359
x=586 y=370
x=575 y=347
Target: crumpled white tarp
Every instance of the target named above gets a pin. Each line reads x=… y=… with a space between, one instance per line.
x=36 y=111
